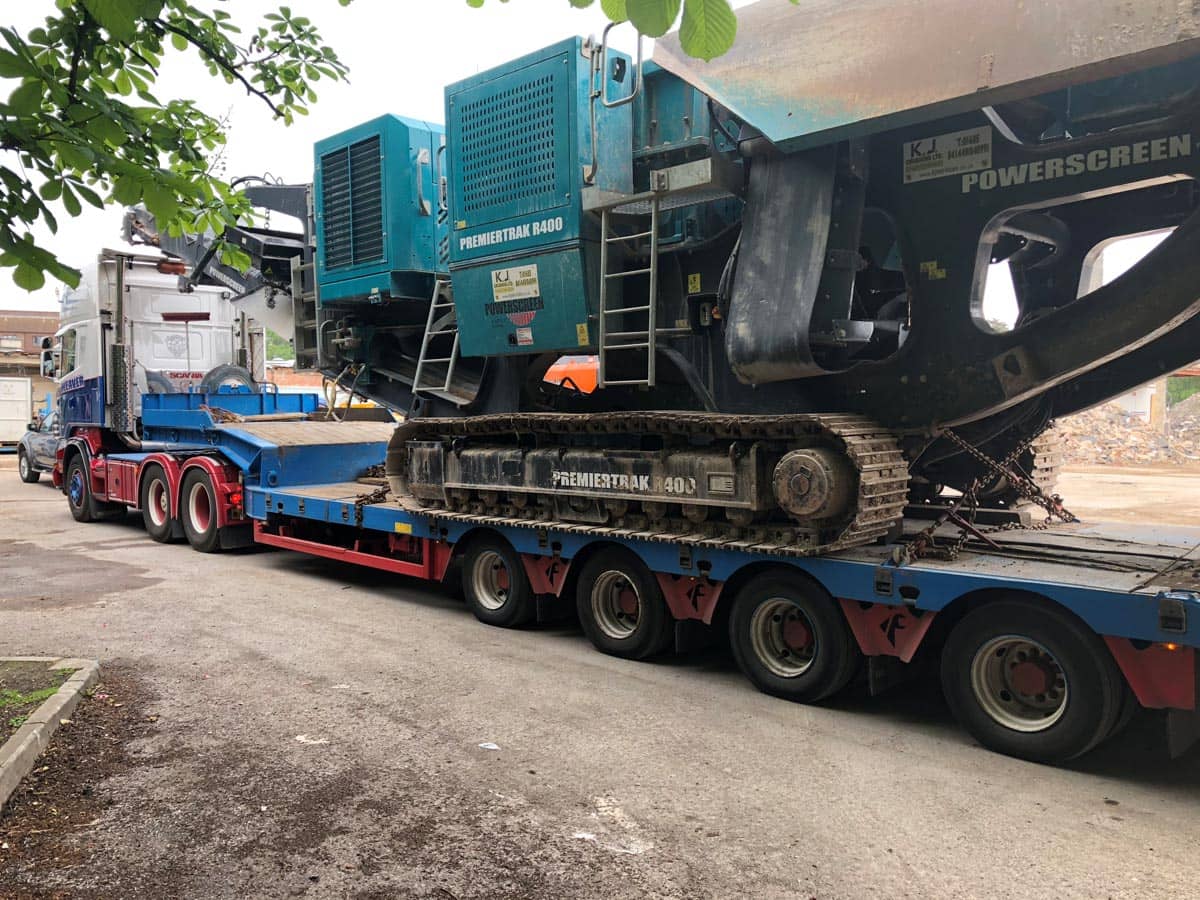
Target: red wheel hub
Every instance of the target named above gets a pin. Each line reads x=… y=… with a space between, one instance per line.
x=502 y=578
x=796 y=634
x=628 y=602
x=1030 y=678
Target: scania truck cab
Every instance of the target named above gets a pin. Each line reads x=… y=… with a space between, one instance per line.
x=127 y=330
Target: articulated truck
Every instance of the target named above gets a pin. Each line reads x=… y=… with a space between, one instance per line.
x=804 y=435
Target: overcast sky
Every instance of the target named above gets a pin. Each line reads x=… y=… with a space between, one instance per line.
x=401 y=55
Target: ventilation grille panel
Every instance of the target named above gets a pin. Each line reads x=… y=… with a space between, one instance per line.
x=512 y=144
x=352 y=204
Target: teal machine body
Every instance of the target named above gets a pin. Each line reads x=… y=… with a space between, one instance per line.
x=381 y=233
x=524 y=258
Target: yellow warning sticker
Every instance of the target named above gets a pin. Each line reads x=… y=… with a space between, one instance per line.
x=581 y=334
x=933 y=271
x=694 y=283
x=403 y=528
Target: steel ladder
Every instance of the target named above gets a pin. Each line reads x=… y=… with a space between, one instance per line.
x=614 y=334
x=442 y=321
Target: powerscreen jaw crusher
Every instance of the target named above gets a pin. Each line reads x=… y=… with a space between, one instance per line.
x=779 y=259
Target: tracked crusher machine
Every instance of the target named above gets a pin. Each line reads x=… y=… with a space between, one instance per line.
x=778 y=259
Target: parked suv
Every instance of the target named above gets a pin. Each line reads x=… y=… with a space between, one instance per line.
x=35 y=452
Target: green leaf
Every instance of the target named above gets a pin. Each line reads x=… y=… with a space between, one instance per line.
x=126 y=190
x=74 y=156
x=652 y=18
x=161 y=202
x=120 y=17
x=12 y=66
x=89 y=195
x=29 y=277
x=615 y=10
x=709 y=28
x=106 y=129
x=232 y=256
x=71 y=202
x=51 y=190
x=27 y=99
x=179 y=41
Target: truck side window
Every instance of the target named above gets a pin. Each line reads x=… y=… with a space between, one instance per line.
x=68 y=352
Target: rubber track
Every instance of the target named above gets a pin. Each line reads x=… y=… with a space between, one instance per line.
x=871 y=448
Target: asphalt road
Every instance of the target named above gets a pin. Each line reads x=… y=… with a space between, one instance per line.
x=320 y=726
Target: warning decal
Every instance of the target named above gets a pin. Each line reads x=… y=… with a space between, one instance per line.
x=518 y=283
x=948 y=154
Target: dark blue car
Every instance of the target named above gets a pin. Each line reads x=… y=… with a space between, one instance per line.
x=35 y=452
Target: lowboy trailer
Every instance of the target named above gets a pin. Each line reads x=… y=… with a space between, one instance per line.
x=1048 y=638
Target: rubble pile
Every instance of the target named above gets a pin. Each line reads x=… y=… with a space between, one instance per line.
x=1107 y=435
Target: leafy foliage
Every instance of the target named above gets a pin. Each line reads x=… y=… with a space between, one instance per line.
x=81 y=125
x=1180 y=387
x=708 y=29
x=279 y=347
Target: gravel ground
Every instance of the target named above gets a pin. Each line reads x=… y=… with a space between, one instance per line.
x=300 y=728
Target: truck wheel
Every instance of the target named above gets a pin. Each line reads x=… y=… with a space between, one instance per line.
x=198 y=511
x=79 y=490
x=155 y=500
x=790 y=639
x=495 y=584
x=84 y=505
x=621 y=606
x=25 y=468
x=1030 y=681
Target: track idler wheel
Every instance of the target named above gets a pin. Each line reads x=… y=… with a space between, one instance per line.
x=815 y=484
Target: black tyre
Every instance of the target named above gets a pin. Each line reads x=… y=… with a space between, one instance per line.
x=495 y=585
x=25 y=468
x=790 y=639
x=1028 y=680
x=198 y=511
x=78 y=488
x=1128 y=709
x=155 y=500
x=621 y=607
x=226 y=374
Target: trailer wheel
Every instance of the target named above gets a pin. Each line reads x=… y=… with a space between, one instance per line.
x=1030 y=681
x=790 y=639
x=495 y=584
x=198 y=511
x=621 y=607
x=25 y=468
x=155 y=500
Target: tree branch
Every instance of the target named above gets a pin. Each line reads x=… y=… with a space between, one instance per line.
x=222 y=63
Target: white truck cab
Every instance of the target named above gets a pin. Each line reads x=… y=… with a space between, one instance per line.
x=128 y=329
